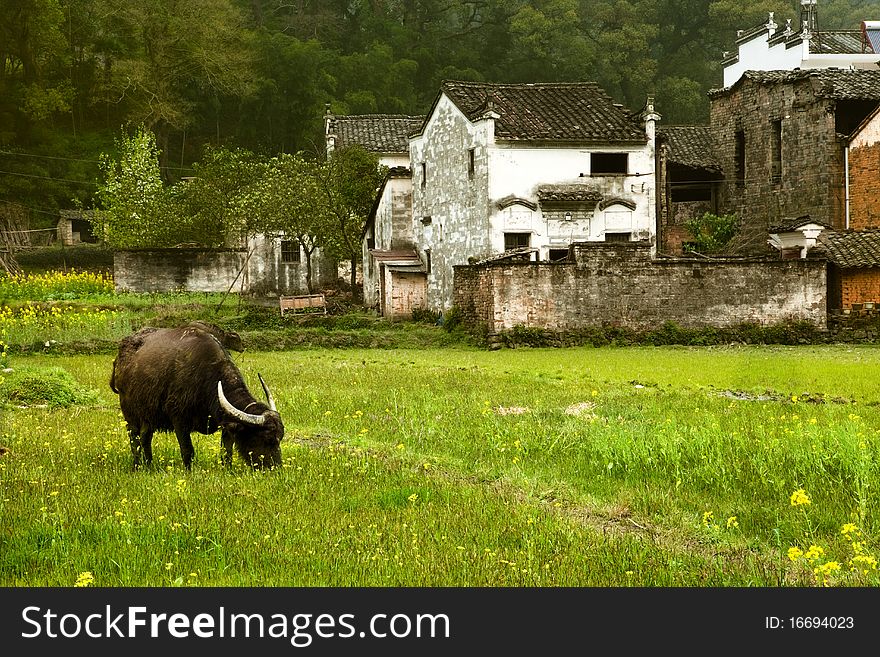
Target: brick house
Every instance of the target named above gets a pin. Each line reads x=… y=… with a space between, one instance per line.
x=784 y=140
x=798 y=138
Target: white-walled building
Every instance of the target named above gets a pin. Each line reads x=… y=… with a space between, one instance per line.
x=502 y=167
x=774 y=47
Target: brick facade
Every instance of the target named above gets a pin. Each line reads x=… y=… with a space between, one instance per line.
x=791 y=162
x=859 y=286
x=621 y=285
x=864 y=187
x=864 y=175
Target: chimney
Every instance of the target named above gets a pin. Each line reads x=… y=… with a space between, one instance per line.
x=650 y=116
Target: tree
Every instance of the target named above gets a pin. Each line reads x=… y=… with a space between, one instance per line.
x=285 y=202
x=132 y=197
x=207 y=205
x=347 y=182
x=176 y=52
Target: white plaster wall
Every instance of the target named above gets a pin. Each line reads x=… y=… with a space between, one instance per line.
x=457 y=218
x=758 y=55
x=519 y=171
x=394 y=159
x=392 y=228
x=457 y=206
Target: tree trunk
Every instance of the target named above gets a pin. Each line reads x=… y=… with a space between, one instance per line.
x=353 y=279
x=309 y=271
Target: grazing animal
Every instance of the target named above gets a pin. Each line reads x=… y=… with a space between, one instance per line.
x=183 y=380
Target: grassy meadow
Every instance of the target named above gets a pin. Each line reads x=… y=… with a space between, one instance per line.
x=617 y=466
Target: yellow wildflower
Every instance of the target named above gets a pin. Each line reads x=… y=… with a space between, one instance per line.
x=795 y=553
x=799 y=497
x=732 y=522
x=814 y=553
x=85 y=579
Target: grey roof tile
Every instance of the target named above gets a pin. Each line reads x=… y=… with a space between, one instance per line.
x=585 y=193
x=851 y=249
x=690 y=145
x=839 y=84
x=379 y=133
x=562 y=111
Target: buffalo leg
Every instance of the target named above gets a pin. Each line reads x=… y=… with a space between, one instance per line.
x=141 y=442
x=186 y=447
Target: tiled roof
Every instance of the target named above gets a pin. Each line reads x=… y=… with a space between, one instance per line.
x=564 y=111
x=839 y=84
x=851 y=249
x=840 y=42
x=379 y=133
x=691 y=146
x=569 y=193
x=797 y=223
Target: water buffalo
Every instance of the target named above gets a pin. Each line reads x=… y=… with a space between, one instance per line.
x=183 y=380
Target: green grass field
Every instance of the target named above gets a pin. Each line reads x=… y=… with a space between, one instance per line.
x=453 y=467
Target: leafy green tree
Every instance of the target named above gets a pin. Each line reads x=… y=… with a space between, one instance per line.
x=207 y=205
x=175 y=52
x=132 y=196
x=285 y=202
x=347 y=183
x=712 y=232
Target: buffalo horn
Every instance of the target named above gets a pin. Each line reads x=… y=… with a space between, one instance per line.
x=258 y=420
x=269 y=397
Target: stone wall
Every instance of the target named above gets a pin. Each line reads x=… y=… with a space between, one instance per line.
x=215 y=270
x=163 y=270
x=620 y=285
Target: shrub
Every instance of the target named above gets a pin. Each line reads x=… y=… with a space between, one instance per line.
x=712 y=232
x=54 y=387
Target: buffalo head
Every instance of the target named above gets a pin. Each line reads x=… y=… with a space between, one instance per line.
x=256 y=436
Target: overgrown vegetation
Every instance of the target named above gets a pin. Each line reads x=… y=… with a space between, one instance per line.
x=668 y=333
x=52 y=387
x=710 y=232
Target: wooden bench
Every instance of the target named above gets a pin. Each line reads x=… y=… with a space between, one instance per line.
x=304 y=303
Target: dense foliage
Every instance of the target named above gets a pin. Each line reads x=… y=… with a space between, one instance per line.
x=256 y=74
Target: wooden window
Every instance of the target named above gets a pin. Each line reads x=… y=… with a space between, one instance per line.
x=603 y=164
x=290 y=251
x=424 y=171
x=471 y=163
x=558 y=255
x=618 y=237
x=514 y=241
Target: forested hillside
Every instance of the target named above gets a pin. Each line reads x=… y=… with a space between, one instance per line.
x=256 y=74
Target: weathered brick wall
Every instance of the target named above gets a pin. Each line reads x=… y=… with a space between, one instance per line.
x=214 y=270
x=161 y=270
x=859 y=286
x=620 y=284
x=864 y=187
x=472 y=294
x=811 y=180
